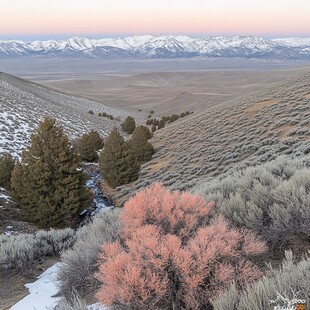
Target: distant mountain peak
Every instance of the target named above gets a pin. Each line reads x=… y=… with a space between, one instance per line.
x=162 y=46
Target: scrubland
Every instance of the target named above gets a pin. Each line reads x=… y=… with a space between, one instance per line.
x=241 y=169
x=236 y=134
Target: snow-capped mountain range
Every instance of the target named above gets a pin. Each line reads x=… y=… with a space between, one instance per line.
x=149 y=46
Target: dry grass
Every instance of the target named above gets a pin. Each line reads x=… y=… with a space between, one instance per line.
x=208 y=144
x=283 y=132
x=157 y=166
x=251 y=112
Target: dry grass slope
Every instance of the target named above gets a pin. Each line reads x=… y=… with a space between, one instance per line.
x=243 y=132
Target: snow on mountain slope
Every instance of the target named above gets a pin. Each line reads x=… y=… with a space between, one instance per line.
x=24 y=104
x=294 y=42
x=163 y=46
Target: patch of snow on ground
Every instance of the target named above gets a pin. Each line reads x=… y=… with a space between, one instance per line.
x=41 y=292
x=97 y=306
x=5 y=197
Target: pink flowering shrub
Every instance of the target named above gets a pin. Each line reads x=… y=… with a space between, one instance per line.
x=166 y=259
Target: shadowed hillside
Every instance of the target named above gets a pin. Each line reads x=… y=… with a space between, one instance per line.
x=23 y=104
x=235 y=134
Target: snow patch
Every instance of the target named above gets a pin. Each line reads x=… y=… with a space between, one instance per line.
x=41 y=292
x=5 y=197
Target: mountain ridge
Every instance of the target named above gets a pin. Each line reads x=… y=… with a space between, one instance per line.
x=162 y=46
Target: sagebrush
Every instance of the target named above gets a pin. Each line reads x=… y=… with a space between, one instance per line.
x=272 y=199
x=79 y=263
x=23 y=252
x=278 y=287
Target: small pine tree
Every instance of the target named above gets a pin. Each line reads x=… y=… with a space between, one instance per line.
x=47 y=183
x=142 y=131
x=7 y=164
x=88 y=145
x=153 y=128
x=117 y=163
x=95 y=139
x=161 y=124
x=141 y=148
x=173 y=118
x=129 y=125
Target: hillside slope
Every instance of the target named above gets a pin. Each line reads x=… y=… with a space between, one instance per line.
x=23 y=105
x=242 y=132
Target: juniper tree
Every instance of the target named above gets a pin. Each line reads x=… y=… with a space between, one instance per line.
x=143 y=131
x=88 y=145
x=117 y=163
x=7 y=164
x=129 y=125
x=141 y=148
x=48 y=183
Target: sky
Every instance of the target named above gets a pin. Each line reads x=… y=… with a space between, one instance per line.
x=44 y=19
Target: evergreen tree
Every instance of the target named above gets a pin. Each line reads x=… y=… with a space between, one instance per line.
x=7 y=164
x=141 y=148
x=173 y=118
x=143 y=131
x=47 y=183
x=95 y=139
x=88 y=145
x=129 y=125
x=117 y=163
x=161 y=124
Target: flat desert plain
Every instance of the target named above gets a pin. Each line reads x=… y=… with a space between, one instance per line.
x=165 y=86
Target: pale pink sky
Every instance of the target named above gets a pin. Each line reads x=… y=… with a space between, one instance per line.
x=50 y=18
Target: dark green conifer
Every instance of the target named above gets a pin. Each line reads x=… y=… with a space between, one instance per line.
x=88 y=145
x=161 y=124
x=117 y=163
x=129 y=125
x=48 y=184
x=142 y=131
x=173 y=118
x=141 y=148
x=7 y=164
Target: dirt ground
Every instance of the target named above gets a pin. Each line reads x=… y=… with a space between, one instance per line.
x=12 y=284
x=166 y=86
